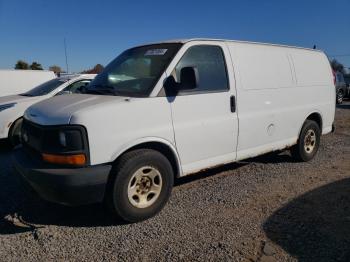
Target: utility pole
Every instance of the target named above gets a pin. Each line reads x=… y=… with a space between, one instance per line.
x=65 y=53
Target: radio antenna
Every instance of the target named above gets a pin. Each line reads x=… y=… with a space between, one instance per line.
x=65 y=53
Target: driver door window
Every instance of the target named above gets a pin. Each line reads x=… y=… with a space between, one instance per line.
x=210 y=63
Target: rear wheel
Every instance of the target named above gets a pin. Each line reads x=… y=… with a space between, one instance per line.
x=15 y=133
x=141 y=184
x=340 y=96
x=308 y=142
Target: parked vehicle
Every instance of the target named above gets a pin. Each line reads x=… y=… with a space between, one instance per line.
x=167 y=110
x=341 y=87
x=12 y=107
x=19 y=81
x=347 y=82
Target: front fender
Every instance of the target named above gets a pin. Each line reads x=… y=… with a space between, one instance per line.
x=143 y=140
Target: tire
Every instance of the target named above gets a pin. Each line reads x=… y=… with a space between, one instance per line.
x=340 y=96
x=135 y=176
x=308 y=142
x=15 y=133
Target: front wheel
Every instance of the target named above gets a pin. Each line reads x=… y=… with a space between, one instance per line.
x=308 y=142
x=141 y=184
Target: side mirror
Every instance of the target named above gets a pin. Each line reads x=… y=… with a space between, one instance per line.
x=171 y=87
x=189 y=78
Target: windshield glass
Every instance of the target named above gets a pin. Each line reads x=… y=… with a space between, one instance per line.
x=45 y=88
x=135 y=71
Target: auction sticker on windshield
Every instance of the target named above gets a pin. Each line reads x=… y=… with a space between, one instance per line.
x=156 y=52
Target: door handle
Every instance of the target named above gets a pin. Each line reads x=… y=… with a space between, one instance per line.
x=233 y=104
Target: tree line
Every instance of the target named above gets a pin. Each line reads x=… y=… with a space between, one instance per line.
x=23 y=65
x=337 y=66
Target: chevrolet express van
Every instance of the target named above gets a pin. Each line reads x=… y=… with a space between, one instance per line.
x=170 y=109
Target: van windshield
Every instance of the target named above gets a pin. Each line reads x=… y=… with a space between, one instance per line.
x=135 y=72
x=45 y=88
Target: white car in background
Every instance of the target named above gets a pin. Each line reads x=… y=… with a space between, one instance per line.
x=12 y=107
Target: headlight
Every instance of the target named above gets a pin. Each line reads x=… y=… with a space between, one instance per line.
x=7 y=106
x=61 y=144
x=63 y=139
x=65 y=146
x=71 y=139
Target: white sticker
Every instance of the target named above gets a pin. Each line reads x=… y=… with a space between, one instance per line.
x=156 y=52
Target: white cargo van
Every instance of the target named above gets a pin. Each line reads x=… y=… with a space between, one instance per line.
x=166 y=110
x=13 y=82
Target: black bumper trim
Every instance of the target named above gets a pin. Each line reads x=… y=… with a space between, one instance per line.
x=69 y=186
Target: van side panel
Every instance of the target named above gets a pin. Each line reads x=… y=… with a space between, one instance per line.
x=313 y=74
x=272 y=105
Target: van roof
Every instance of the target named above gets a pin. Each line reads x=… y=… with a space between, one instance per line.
x=234 y=41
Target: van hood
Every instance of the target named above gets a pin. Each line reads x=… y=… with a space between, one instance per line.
x=60 y=109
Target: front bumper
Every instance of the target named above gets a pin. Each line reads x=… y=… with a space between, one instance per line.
x=69 y=186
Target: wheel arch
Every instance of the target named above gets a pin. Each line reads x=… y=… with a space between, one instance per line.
x=12 y=124
x=315 y=116
x=161 y=145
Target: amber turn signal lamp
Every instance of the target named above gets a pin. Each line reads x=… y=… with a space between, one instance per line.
x=78 y=160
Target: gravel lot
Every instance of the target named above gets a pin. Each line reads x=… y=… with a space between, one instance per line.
x=265 y=209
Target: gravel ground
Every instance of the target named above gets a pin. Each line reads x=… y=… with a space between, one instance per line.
x=268 y=208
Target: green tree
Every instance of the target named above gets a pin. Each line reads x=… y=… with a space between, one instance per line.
x=95 y=70
x=36 y=66
x=56 y=69
x=337 y=66
x=21 y=65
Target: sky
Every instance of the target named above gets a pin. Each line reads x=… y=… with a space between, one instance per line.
x=97 y=31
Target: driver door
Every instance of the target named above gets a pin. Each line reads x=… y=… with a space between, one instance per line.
x=204 y=119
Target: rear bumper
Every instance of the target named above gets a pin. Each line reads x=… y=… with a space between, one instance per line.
x=69 y=186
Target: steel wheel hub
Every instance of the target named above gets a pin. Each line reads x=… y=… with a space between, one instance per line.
x=144 y=187
x=310 y=141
